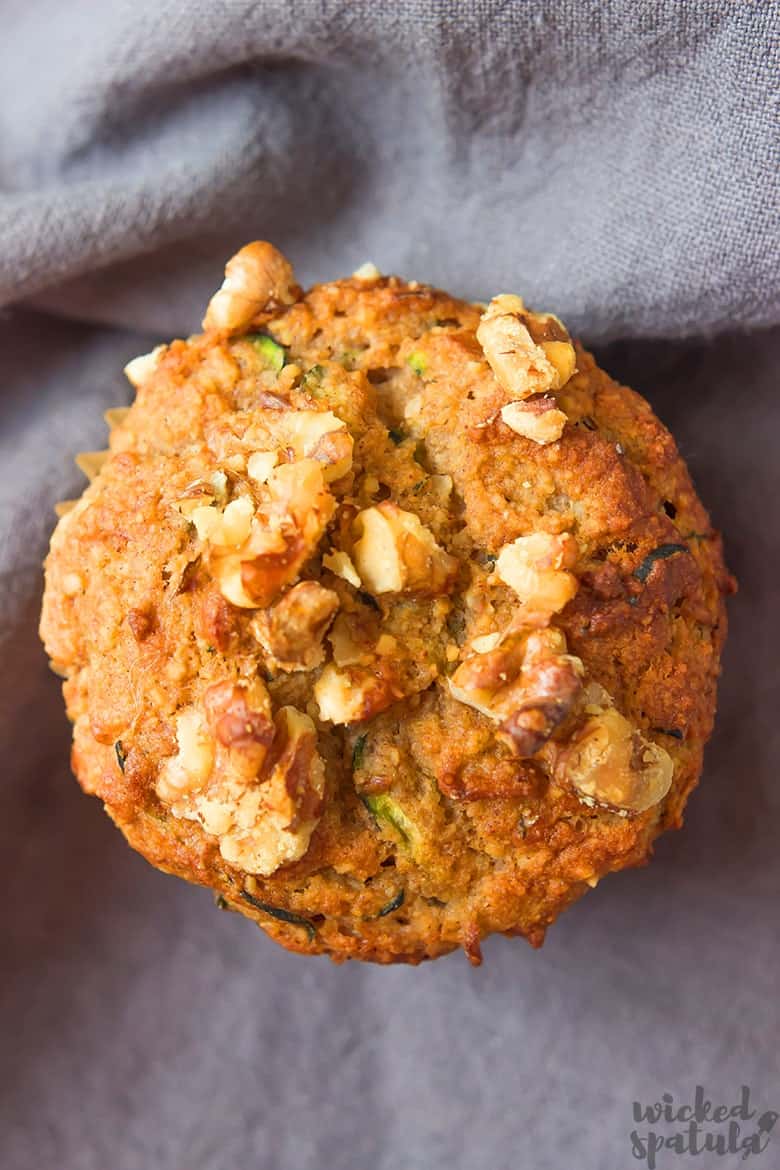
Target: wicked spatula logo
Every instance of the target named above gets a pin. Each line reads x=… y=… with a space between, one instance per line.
x=670 y=1127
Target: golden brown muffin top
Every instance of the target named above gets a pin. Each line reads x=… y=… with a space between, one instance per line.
x=390 y=617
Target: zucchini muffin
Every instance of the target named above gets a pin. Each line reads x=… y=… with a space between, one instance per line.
x=389 y=617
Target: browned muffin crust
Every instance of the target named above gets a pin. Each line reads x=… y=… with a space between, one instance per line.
x=382 y=619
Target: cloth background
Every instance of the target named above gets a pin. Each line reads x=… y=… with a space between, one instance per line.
x=615 y=162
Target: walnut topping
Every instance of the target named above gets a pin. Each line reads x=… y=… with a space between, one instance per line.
x=561 y=355
x=260 y=464
x=256 y=278
x=321 y=435
x=301 y=434
x=526 y=682
x=253 y=782
x=367 y=271
x=202 y=492
x=340 y=563
x=291 y=631
x=255 y=550
x=529 y=353
x=536 y=568
x=537 y=419
x=228 y=528
x=352 y=693
x=189 y=769
x=518 y=363
x=609 y=762
x=363 y=678
x=396 y=553
x=142 y=367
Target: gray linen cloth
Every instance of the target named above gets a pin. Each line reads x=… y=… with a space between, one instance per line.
x=614 y=162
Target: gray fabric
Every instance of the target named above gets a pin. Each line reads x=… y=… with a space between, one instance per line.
x=614 y=162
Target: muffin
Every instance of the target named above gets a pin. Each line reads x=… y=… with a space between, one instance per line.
x=389 y=617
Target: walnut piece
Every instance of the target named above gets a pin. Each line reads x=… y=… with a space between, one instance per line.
x=252 y=781
x=396 y=553
x=536 y=568
x=301 y=434
x=519 y=364
x=351 y=693
x=536 y=418
x=142 y=367
x=367 y=271
x=321 y=435
x=529 y=353
x=609 y=762
x=363 y=678
x=255 y=550
x=256 y=278
x=340 y=564
x=525 y=682
x=260 y=464
x=292 y=630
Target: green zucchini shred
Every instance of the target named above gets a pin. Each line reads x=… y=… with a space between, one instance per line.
x=121 y=755
x=280 y=914
x=396 y=904
x=312 y=380
x=657 y=554
x=384 y=808
x=673 y=731
x=269 y=350
x=418 y=362
x=358 y=752
x=397 y=436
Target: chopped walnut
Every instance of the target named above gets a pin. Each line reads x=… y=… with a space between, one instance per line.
x=529 y=353
x=291 y=631
x=519 y=364
x=609 y=762
x=252 y=781
x=321 y=435
x=536 y=568
x=351 y=693
x=363 y=678
x=256 y=278
x=537 y=419
x=367 y=271
x=301 y=434
x=142 y=367
x=526 y=683
x=340 y=563
x=396 y=553
x=254 y=551
x=260 y=464
x=189 y=769
x=202 y=492
x=225 y=528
